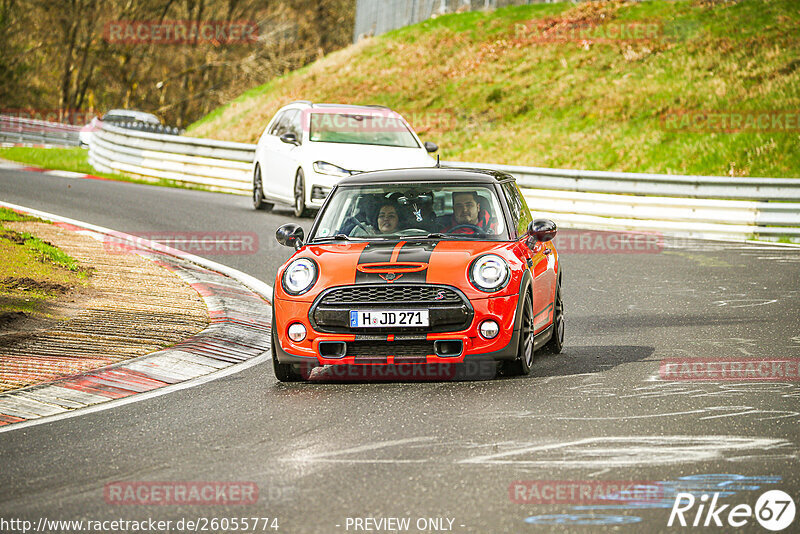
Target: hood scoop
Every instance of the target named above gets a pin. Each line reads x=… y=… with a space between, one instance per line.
x=392 y=267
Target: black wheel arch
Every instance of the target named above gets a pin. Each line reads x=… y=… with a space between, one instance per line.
x=526 y=286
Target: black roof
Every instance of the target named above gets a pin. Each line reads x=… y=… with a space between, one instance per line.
x=428 y=174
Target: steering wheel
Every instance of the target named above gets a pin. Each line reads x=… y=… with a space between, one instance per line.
x=475 y=227
x=356 y=223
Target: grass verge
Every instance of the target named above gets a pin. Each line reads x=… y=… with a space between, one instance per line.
x=553 y=85
x=33 y=271
x=77 y=160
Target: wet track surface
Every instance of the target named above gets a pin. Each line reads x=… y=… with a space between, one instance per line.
x=325 y=451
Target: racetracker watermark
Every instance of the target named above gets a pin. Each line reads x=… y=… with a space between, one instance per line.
x=180 y=493
x=214 y=243
x=330 y=122
x=550 y=31
x=402 y=372
x=584 y=491
x=740 y=369
x=170 y=32
x=599 y=242
x=559 y=30
x=732 y=121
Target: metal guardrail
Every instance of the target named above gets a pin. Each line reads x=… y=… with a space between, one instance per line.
x=216 y=165
x=671 y=185
x=18 y=130
x=691 y=206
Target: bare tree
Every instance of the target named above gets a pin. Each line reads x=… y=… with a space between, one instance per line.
x=55 y=53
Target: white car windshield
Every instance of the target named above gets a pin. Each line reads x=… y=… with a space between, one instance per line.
x=361 y=128
x=417 y=210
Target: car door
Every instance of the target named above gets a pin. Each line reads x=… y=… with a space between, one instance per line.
x=265 y=155
x=539 y=259
x=284 y=157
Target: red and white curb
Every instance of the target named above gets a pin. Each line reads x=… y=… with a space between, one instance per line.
x=14 y=166
x=237 y=337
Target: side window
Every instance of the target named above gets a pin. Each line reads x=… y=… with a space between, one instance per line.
x=277 y=124
x=294 y=125
x=520 y=215
x=286 y=121
x=525 y=217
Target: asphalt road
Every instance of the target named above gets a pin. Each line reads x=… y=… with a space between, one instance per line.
x=593 y=417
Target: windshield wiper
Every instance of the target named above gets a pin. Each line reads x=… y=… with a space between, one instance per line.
x=439 y=235
x=337 y=237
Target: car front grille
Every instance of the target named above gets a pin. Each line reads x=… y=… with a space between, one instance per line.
x=418 y=295
x=379 y=351
x=448 y=309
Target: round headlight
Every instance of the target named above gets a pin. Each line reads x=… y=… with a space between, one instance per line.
x=489 y=273
x=299 y=276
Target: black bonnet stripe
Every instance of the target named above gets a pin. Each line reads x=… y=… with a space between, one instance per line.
x=419 y=252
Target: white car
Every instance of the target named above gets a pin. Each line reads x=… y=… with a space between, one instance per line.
x=307 y=148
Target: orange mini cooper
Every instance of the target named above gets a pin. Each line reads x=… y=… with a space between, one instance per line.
x=418 y=266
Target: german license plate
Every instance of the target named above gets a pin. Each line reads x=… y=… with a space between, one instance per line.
x=384 y=318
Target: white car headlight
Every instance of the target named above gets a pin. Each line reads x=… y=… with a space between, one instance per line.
x=299 y=276
x=489 y=273
x=323 y=167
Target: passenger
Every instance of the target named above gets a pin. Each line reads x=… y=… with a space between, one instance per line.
x=388 y=218
x=467 y=210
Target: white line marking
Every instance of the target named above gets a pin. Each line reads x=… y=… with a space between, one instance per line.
x=624 y=417
x=628 y=451
x=751 y=304
x=326 y=456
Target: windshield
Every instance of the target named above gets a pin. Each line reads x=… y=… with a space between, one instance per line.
x=432 y=210
x=362 y=129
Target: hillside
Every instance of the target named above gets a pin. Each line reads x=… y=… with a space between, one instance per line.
x=603 y=85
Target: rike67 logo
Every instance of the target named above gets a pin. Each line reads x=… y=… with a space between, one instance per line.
x=774 y=511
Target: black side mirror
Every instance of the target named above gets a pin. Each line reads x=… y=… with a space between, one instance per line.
x=290 y=139
x=542 y=231
x=290 y=235
x=431 y=147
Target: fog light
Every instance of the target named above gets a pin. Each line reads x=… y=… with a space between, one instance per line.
x=297 y=332
x=489 y=329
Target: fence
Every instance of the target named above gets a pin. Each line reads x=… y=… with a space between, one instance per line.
x=18 y=130
x=374 y=17
x=692 y=206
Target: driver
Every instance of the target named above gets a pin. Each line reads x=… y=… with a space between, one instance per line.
x=467 y=211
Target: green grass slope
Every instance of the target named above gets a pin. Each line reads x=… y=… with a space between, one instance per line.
x=554 y=85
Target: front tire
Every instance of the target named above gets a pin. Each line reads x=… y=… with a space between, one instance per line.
x=300 y=194
x=556 y=342
x=258 y=192
x=522 y=365
x=284 y=372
